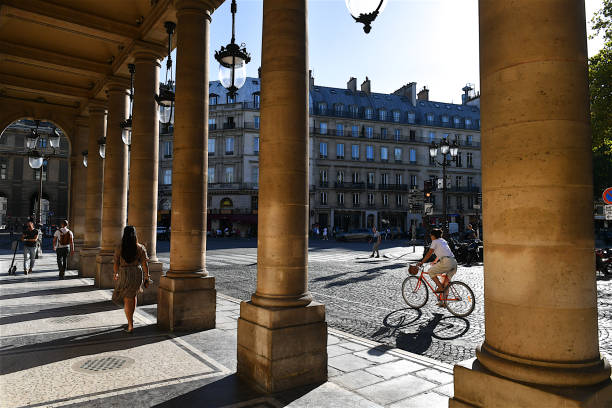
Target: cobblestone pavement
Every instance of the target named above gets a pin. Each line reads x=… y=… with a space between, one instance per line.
x=363 y=296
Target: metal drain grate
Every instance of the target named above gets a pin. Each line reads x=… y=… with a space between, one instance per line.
x=69 y=319
x=104 y=364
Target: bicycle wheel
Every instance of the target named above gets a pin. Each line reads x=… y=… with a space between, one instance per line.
x=459 y=299
x=415 y=293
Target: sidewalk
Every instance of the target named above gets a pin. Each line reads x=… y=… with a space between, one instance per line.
x=61 y=345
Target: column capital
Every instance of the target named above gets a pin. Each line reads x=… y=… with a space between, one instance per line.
x=117 y=84
x=82 y=121
x=147 y=51
x=197 y=6
x=96 y=106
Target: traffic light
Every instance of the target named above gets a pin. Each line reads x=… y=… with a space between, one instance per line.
x=427 y=189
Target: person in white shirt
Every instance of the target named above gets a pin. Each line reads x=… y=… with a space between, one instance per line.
x=325 y=234
x=445 y=260
x=63 y=243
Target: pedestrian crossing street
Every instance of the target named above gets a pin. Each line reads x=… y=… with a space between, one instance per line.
x=246 y=257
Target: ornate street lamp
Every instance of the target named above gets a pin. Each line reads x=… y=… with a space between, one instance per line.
x=54 y=138
x=365 y=11
x=32 y=138
x=126 y=125
x=102 y=147
x=35 y=159
x=445 y=148
x=232 y=61
x=85 y=158
x=165 y=99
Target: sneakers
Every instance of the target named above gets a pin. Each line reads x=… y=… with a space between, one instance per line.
x=440 y=303
x=372 y=256
x=378 y=256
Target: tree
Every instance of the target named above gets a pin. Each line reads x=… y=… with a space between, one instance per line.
x=600 y=87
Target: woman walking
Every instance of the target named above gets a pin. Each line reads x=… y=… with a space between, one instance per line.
x=130 y=262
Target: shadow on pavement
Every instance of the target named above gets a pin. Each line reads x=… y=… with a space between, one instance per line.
x=360 y=276
x=45 y=292
x=71 y=310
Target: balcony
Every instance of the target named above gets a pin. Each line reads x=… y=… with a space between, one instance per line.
x=393 y=187
x=324 y=184
x=233 y=186
x=349 y=186
x=229 y=125
x=371 y=186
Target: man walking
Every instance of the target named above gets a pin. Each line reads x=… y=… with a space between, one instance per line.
x=63 y=243
x=30 y=239
x=376 y=238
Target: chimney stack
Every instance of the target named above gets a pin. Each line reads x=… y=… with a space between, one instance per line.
x=409 y=91
x=351 y=85
x=423 y=94
x=310 y=78
x=365 y=86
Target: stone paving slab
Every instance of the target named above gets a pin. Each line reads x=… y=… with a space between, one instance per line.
x=61 y=345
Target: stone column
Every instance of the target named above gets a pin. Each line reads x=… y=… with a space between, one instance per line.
x=144 y=160
x=95 y=180
x=541 y=340
x=114 y=206
x=282 y=334
x=78 y=186
x=187 y=295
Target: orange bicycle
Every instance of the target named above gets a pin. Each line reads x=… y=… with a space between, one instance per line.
x=458 y=298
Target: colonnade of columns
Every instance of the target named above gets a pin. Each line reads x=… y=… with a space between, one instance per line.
x=541 y=346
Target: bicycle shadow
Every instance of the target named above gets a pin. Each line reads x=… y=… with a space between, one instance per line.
x=416 y=337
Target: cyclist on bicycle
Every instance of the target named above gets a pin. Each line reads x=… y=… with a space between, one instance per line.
x=445 y=260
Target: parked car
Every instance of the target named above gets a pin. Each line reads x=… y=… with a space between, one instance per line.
x=361 y=234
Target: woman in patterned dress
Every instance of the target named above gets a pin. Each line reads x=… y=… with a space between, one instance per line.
x=130 y=262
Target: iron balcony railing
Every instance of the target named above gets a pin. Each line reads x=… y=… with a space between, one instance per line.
x=349 y=185
x=233 y=186
x=393 y=187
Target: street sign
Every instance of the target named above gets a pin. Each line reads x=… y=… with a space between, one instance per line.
x=608 y=212
x=428 y=208
x=607 y=195
x=477 y=206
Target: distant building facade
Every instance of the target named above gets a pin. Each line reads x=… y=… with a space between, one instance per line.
x=369 y=152
x=19 y=183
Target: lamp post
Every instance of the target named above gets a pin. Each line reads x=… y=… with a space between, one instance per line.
x=365 y=11
x=126 y=125
x=445 y=149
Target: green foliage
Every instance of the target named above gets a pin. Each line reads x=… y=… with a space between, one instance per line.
x=600 y=87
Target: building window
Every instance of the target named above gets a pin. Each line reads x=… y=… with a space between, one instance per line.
x=470 y=202
x=457 y=121
x=460 y=202
x=396 y=116
x=340 y=151
x=371 y=178
x=398 y=135
x=411 y=117
x=369 y=132
x=384 y=153
x=340 y=198
x=459 y=160
x=256 y=122
x=256 y=145
x=212 y=123
x=385 y=200
x=399 y=179
x=3 y=170
x=384 y=179
x=468 y=140
x=211 y=146
x=369 y=113
x=383 y=133
x=468 y=123
x=413 y=181
x=355 y=178
x=432 y=137
x=470 y=181
x=430 y=118
x=231 y=99
x=413 y=156
x=354 y=110
x=355 y=131
x=167 y=176
x=323 y=128
x=397 y=154
x=44 y=172
x=211 y=174
x=322 y=108
x=412 y=135
x=213 y=100
x=355 y=152
x=323 y=198
x=340 y=176
x=229 y=145
x=382 y=115
x=444 y=120
x=339 y=109
x=256 y=100
x=229 y=174
x=167 y=149
x=469 y=160
x=255 y=174
x=370 y=153
x=339 y=129
x=398 y=200
x=323 y=150
x=323 y=177
x=370 y=199
x=42 y=143
x=458 y=181
x=355 y=198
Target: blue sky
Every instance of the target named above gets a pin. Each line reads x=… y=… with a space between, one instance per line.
x=431 y=42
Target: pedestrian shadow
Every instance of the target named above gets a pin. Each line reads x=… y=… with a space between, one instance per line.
x=44 y=292
x=71 y=310
x=357 y=276
x=32 y=277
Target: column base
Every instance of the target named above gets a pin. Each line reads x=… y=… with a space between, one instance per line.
x=282 y=348
x=149 y=296
x=104 y=270
x=186 y=303
x=475 y=386
x=88 y=262
x=74 y=260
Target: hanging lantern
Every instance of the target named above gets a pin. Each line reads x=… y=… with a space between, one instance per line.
x=232 y=61
x=54 y=138
x=32 y=138
x=85 y=158
x=102 y=147
x=35 y=160
x=126 y=125
x=365 y=11
x=165 y=99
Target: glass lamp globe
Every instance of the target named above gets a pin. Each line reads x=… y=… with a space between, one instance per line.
x=433 y=150
x=85 y=160
x=454 y=149
x=225 y=72
x=102 y=150
x=126 y=136
x=54 y=138
x=444 y=147
x=35 y=160
x=165 y=114
x=31 y=141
